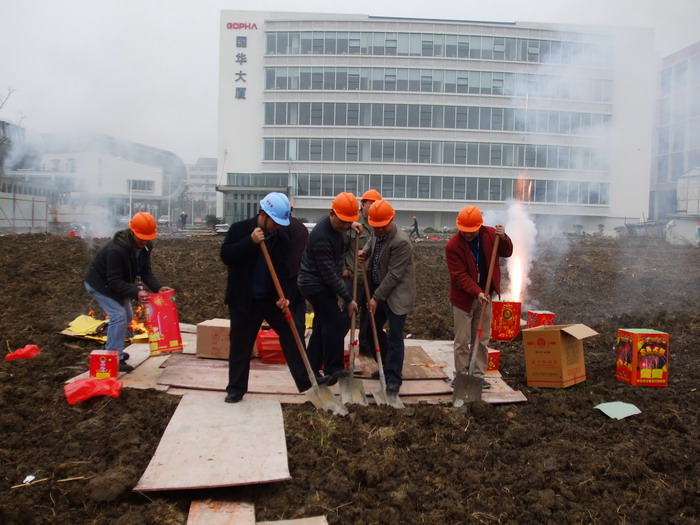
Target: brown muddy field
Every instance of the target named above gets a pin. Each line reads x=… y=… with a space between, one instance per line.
x=554 y=459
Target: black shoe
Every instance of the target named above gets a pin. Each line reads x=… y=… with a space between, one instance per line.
x=125 y=367
x=124 y=357
x=333 y=378
x=375 y=374
x=393 y=388
x=233 y=398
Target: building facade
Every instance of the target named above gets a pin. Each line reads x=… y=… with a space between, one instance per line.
x=201 y=188
x=677 y=131
x=435 y=115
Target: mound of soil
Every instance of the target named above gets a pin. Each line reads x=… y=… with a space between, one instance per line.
x=554 y=459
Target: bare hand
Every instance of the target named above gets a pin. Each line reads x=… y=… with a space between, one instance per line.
x=352 y=308
x=257 y=236
x=361 y=255
x=372 y=306
x=164 y=289
x=346 y=273
x=484 y=300
x=357 y=226
x=143 y=296
x=501 y=231
x=282 y=303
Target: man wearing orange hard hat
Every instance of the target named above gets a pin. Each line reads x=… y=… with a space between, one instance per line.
x=320 y=282
x=365 y=240
x=392 y=277
x=468 y=256
x=117 y=274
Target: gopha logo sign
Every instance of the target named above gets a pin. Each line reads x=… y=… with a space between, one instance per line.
x=241 y=25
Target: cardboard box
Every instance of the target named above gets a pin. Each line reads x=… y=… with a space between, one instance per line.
x=494 y=360
x=104 y=364
x=269 y=348
x=213 y=338
x=163 y=324
x=642 y=357
x=554 y=354
x=505 y=320
x=539 y=318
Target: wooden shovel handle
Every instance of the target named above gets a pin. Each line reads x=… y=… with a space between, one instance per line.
x=494 y=255
x=288 y=314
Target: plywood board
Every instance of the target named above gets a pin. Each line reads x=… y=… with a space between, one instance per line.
x=147 y=374
x=316 y=520
x=416 y=365
x=209 y=512
x=209 y=443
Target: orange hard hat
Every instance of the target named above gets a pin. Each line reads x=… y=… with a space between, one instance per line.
x=371 y=195
x=346 y=207
x=469 y=219
x=380 y=214
x=143 y=225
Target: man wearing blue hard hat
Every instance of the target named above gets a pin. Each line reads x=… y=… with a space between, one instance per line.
x=251 y=295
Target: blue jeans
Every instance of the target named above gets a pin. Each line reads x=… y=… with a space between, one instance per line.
x=391 y=346
x=120 y=315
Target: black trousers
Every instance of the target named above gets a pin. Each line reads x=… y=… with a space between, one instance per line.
x=244 y=329
x=328 y=337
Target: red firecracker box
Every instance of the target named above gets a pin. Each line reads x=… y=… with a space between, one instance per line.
x=494 y=360
x=505 y=320
x=163 y=324
x=539 y=318
x=642 y=357
x=269 y=348
x=104 y=364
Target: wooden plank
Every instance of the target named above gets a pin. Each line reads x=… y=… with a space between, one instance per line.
x=147 y=374
x=416 y=365
x=316 y=520
x=210 y=443
x=209 y=512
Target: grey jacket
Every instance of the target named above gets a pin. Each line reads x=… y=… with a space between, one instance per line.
x=397 y=272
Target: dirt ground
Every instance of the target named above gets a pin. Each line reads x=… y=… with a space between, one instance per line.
x=553 y=459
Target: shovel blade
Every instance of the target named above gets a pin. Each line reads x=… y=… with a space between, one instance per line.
x=392 y=399
x=352 y=392
x=380 y=397
x=467 y=389
x=322 y=397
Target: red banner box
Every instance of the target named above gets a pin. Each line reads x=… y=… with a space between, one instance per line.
x=163 y=324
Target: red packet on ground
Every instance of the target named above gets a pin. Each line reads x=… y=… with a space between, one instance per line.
x=82 y=389
x=28 y=352
x=163 y=324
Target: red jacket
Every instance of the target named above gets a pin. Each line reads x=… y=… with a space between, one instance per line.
x=462 y=267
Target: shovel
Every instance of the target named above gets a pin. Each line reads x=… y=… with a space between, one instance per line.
x=351 y=389
x=319 y=395
x=468 y=388
x=380 y=396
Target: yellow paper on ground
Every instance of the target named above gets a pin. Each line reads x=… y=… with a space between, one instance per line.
x=84 y=325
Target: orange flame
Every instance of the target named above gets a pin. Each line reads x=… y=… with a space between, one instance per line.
x=137 y=324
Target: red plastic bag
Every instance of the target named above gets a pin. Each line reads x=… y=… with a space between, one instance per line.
x=28 y=352
x=83 y=389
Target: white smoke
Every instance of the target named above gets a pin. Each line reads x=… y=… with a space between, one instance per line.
x=523 y=232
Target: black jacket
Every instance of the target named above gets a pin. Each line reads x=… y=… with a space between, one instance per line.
x=323 y=262
x=240 y=254
x=113 y=270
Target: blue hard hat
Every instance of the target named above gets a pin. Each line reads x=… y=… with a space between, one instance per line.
x=276 y=205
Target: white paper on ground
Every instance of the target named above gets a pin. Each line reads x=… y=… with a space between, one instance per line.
x=618 y=409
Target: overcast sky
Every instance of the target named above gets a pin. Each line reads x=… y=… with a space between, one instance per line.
x=147 y=70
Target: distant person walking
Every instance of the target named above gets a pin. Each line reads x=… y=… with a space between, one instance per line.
x=115 y=275
x=321 y=283
x=250 y=293
x=183 y=220
x=415 y=228
x=392 y=276
x=468 y=256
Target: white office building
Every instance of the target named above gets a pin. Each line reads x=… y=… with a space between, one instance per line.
x=436 y=114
